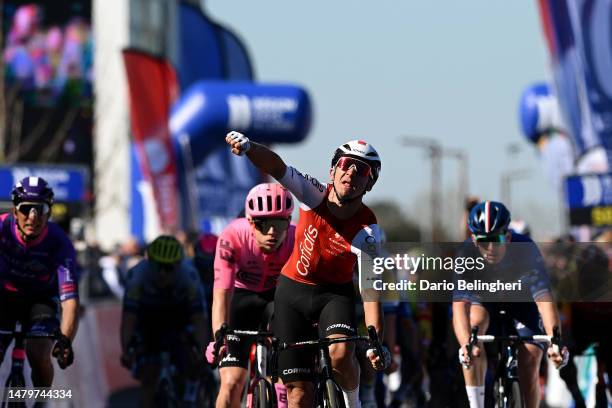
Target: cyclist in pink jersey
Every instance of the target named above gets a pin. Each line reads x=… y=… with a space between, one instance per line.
x=38 y=279
x=250 y=254
x=316 y=283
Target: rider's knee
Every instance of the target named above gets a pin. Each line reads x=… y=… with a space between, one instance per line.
x=530 y=359
x=341 y=353
x=38 y=357
x=298 y=395
x=232 y=383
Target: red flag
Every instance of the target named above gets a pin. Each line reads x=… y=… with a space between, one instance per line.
x=153 y=89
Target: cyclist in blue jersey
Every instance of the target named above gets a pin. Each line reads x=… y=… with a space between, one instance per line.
x=38 y=283
x=163 y=311
x=488 y=222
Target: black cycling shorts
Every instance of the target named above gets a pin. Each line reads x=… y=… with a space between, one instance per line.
x=298 y=307
x=37 y=315
x=249 y=311
x=526 y=320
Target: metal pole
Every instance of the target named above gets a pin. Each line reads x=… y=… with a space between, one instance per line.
x=506 y=184
x=435 y=152
x=436 y=186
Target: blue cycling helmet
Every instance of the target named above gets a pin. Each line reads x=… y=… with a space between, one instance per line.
x=489 y=218
x=34 y=189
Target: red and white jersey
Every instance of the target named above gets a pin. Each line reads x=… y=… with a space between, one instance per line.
x=326 y=247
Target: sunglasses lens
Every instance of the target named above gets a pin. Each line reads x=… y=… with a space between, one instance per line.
x=279 y=224
x=26 y=208
x=264 y=224
x=362 y=169
x=495 y=239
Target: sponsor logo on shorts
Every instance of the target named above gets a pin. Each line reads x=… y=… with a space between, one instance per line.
x=340 y=326
x=229 y=359
x=290 y=371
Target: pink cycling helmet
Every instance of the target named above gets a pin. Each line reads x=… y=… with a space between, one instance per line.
x=268 y=200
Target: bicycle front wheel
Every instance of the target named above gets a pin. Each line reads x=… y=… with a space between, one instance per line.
x=165 y=396
x=333 y=397
x=508 y=394
x=515 y=397
x=14 y=381
x=261 y=398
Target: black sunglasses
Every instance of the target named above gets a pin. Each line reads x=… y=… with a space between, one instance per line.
x=263 y=225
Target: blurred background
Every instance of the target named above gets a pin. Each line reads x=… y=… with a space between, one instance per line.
x=122 y=105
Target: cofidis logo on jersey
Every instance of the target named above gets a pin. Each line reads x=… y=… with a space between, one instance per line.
x=306 y=248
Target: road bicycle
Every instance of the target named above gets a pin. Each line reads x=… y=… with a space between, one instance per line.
x=328 y=393
x=506 y=389
x=259 y=391
x=16 y=378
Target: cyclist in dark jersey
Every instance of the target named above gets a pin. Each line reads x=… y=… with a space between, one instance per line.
x=163 y=310
x=488 y=221
x=38 y=282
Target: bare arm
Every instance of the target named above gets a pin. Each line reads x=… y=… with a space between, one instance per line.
x=461 y=321
x=550 y=315
x=262 y=157
x=374 y=317
x=222 y=298
x=70 y=317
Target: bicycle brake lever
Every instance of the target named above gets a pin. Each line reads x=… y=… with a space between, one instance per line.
x=219 y=340
x=473 y=341
x=375 y=342
x=556 y=337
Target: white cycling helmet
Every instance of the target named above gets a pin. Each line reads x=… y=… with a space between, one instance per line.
x=361 y=150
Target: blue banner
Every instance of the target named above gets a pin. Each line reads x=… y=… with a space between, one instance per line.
x=589 y=190
x=200 y=52
x=267 y=113
x=69 y=183
x=207 y=51
x=580 y=44
x=589 y=199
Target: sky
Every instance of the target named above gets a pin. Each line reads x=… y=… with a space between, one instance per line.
x=452 y=71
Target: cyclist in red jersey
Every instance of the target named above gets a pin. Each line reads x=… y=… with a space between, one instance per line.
x=250 y=254
x=316 y=283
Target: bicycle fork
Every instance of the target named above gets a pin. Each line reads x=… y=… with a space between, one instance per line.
x=325 y=363
x=18 y=355
x=511 y=363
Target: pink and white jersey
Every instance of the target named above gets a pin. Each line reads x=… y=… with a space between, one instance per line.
x=239 y=263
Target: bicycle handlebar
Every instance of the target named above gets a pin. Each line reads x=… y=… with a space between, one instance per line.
x=488 y=338
x=374 y=342
x=219 y=340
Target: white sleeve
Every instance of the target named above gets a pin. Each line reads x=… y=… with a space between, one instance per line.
x=308 y=190
x=368 y=241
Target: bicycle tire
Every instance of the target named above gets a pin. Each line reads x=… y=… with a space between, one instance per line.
x=332 y=396
x=14 y=381
x=508 y=394
x=515 y=397
x=164 y=397
x=260 y=397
